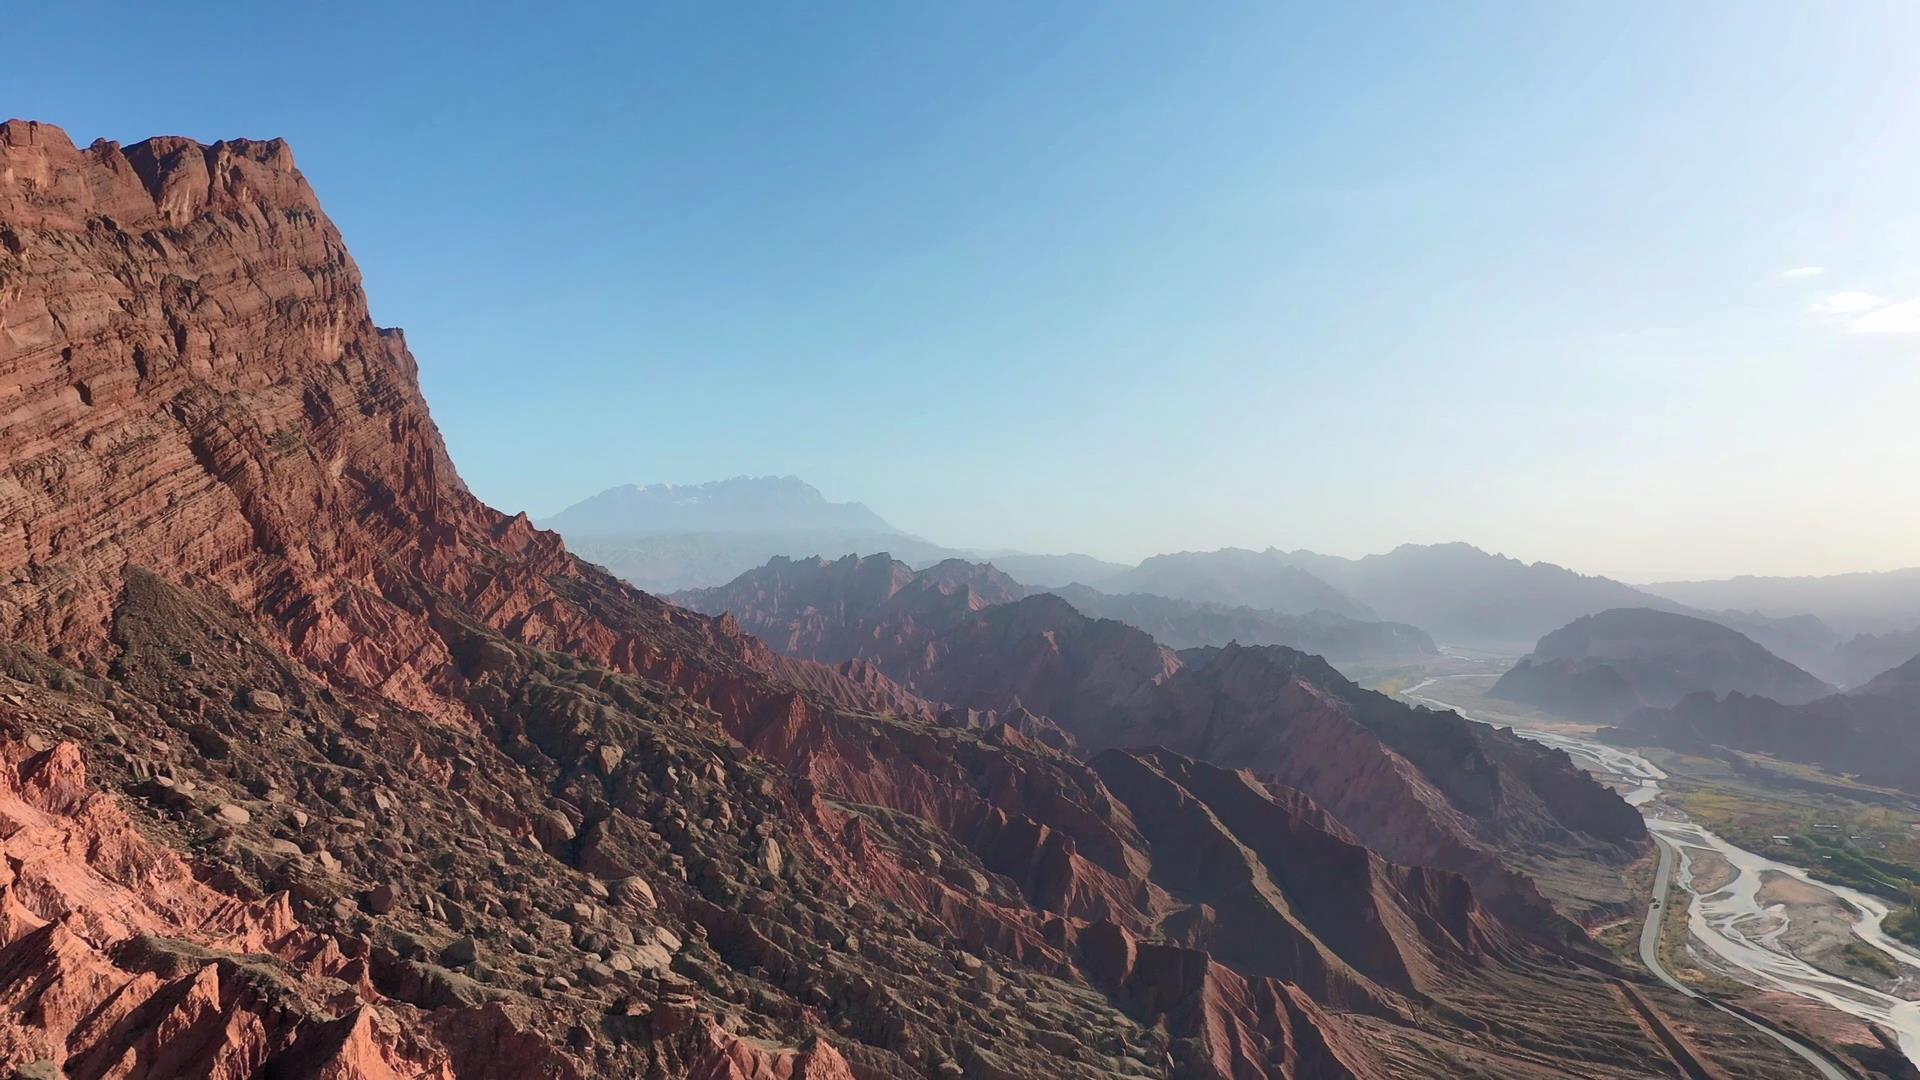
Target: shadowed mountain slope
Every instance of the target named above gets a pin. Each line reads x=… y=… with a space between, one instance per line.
x=1237 y=577
x=1872 y=732
x=1421 y=787
x=1183 y=624
x=742 y=504
x=1605 y=666
x=1468 y=597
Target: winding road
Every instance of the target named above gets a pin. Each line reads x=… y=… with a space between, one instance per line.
x=1650 y=956
x=1628 y=768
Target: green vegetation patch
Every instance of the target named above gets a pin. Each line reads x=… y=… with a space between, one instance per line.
x=1866 y=956
x=1904 y=923
x=1873 y=846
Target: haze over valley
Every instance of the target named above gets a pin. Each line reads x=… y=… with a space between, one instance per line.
x=671 y=538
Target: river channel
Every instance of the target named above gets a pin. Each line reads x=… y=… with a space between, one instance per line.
x=1744 y=936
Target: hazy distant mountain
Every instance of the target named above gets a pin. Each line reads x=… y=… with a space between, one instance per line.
x=1901 y=682
x=665 y=538
x=668 y=537
x=1808 y=641
x=1183 y=624
x=1047 y=571
x=1604 y=666
x=800 y=606
x=1468 y=597
x=1851 y=603
x=1863 y=656
x=668 y=562
x=742 y=504
x=1872 y=732
x=1804 y=640
x=1236 y=576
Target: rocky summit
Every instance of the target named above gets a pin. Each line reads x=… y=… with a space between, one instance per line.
x=313 y=765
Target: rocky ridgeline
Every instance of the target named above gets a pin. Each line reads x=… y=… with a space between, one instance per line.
x=316 y=766
x=1422 y=788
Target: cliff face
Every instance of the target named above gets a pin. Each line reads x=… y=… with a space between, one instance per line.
x=190 y=380
x=315 y=765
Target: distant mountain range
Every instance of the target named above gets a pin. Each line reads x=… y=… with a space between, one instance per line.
x=1238 y=577
x=1430 y=788
x=1862 y=603
x=1604 y=666
x=1809 y=642
x=1184 y=624
x=1456 y=592
x=667 y=537
x=1469 y=597
x=742 y=504
x=1872 y=732
x=805 y=607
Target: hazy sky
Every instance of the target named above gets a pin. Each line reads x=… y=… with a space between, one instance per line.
x=1630 y=287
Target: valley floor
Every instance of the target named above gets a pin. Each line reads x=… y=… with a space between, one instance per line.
x=1784 y=878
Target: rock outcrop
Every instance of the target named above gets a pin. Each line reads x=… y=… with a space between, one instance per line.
x=115 y=960
x=400 y=787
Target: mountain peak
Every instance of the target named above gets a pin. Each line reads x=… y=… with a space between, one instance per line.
x=1609 y=663
x=737 y=504
x=1264 y=580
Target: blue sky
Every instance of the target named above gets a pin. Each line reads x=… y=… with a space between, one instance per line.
x=1630 y=287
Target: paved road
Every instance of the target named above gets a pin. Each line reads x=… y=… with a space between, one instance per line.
x=1625 y=766
x=1650 y=956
